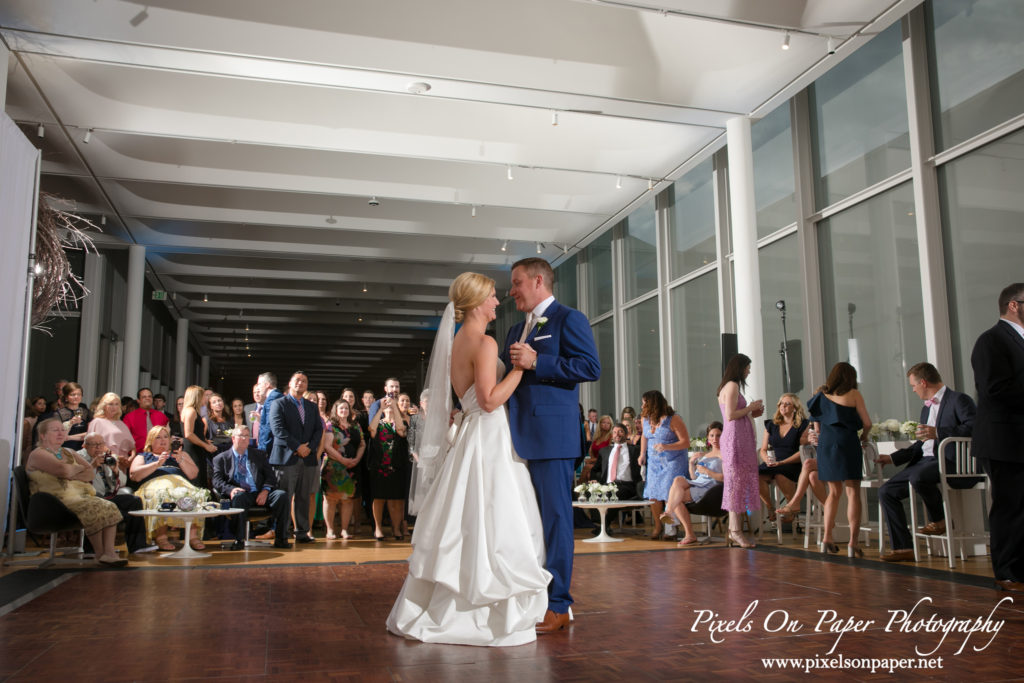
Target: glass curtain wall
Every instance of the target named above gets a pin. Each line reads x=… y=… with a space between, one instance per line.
x=782 y=281
x=774 y=179
x=691 y=221
x=697 y=351
x=640 y=253
x=643 y=350
x=602 y=398
x=600 y=290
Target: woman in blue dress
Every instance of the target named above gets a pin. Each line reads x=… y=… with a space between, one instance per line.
x=839 y=410
x=705 y=474
x=663 y=448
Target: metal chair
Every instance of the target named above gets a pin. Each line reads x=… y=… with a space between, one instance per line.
x=954 y=488
x=872 y=479
x=44 y=513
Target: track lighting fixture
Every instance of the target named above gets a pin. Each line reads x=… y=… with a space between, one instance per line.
x=509 y=174
x=206 y=299
x=650 y=183
x=539 y=247
x=554 y=118
x=41 y=131
x=364 y=288
x=87 y=137
x=504 y=245
x=618 y=182
x=473 y=212
x=785 y=41
x=831 y=45
x=331 y=220
x=565 y=249
x=103 y=220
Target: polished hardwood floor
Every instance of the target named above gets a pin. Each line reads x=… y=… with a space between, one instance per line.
x=644 y=610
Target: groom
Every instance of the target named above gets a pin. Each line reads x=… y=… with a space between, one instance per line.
x=556 y=349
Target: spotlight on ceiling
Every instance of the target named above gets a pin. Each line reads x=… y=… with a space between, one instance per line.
x=504 y=245
x=40 y=131
x=473 y=212
x=785 y=41
x=618 y=182
x=87 y=137
x=554 y=118
x=650 y=183
x=509 y=173
x=206 y=299
x=831 y=45
x=418 y=87
x=364 y=290
x=374 y=201
x=539 y=247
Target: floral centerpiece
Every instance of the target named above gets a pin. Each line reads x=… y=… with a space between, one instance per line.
x=597 y=491
x=178 y=493
x=698 y=444
x=892 y=429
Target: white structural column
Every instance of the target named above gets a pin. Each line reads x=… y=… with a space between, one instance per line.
x=180 y=362
x=744 y=247
x=204 y=371
x=133 y=319
x=92 y=310
x=146 y=380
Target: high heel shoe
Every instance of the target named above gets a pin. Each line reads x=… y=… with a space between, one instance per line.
x=739 y=539
x=855 y=551
x=827 y=548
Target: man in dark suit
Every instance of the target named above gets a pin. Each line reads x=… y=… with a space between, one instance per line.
x=618 y=463
x=555 y=348
x=243 y=475
x=945 y=413
x=296 y=426
x=998 y=441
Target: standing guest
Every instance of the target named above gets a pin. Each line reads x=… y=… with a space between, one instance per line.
x=193 y=430
x=73 y=414
x=739 y=449
x=243 y=475
x=58 y=393
x=998 y=362
x=368 y=401
x=340 y=484
x=111 y=483
x=158 y=468
x=160 y=403
x=34 y=407
x=315 y=495
x=365 y=502
x=945 y=413
x=705 y=474
x=205 y=410
x=392 y=388
x=268 y=381
x=238 y=418
x=175 y=420
x=589 y=429
x=145 y=417
x=838 y=410
x=111 y=428
x=637 y=432
x=252 y=412
x=664 y=445
x=627 y=416
x=388 y=461
x=783 y=436
x=128 y=405
x=297 y=433
x=218 y=423
x=405 y=406
x=61 y=472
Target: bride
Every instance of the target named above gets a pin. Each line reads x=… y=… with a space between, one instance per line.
x=476 y=574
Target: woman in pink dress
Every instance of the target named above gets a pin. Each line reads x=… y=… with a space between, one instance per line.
x=739 y=448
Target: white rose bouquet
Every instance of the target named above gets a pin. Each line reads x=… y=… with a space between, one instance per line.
x=698 y=444
x=909 y=428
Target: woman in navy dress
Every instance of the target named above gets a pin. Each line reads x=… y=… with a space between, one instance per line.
x=663 y=447
x=783 y=436
x=839 y=410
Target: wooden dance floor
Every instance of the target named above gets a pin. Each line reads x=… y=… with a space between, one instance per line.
x=656 y=614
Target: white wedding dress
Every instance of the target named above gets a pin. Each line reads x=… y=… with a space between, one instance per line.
x=476 y=574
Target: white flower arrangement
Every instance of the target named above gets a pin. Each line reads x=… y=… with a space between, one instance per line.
x=580 y=488
x=698 y=444
x=909 y=428
x=173 y=495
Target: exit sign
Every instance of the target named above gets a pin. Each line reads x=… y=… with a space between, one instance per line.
x=159 y=295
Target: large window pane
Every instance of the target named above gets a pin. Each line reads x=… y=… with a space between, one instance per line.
x=982 y=211
x=696 y=351
x=774 y=182
x=599 y=275
x=643 y=351
x=640 y=253
x=691 y=217
x=871 y=299
x=604 y=388
x=859 y=111
x=781 y=280
x=565 y=283
x=977 y=60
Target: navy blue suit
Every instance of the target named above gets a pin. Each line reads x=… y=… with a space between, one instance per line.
x=544 y=419
x=266 y=435
x=998 y=362
x=225 y=481
x=298 y=476
x=955 y=418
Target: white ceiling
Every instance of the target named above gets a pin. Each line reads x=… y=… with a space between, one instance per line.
x=241 y=141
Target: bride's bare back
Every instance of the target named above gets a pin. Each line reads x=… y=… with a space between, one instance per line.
x=475 y=364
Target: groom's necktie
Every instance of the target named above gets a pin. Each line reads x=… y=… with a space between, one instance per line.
x=613 y=464
x=527 y=326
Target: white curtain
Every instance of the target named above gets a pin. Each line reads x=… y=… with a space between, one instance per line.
x=19 y=181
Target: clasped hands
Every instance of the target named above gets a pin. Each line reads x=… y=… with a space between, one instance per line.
x=261 y=497
x=522 y=355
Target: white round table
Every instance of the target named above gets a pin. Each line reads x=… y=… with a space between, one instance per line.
x=186 y=552
x=602 y=509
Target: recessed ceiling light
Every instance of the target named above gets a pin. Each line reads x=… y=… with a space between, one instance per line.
x=785 y=41
x=418 y=87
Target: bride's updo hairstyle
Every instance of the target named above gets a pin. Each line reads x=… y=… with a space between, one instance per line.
x=468 y=291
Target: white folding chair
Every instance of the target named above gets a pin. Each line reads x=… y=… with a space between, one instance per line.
x=954 y=500
x=872 y=479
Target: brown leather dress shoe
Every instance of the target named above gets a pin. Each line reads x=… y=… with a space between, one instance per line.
x=1005 y=585
x=934 y=528
x=553 y=622
x=905 y=555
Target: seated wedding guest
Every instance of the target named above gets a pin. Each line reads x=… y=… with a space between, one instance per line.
x=109 y=425
x=637 y=431
x=663 y=448
x=128 y=406
x=705 y=471
x=618 y=463
x=34 y=407
x=73 y=414
x=243 y=475
x=111 y=483
x=157 y=469
x=339 y=476
x=628 y=416
x=945 y=413
x=783 y=436
x=808 y=479
x=61 y=472
x=143 y=418
x=218 y=423
x=601 y=438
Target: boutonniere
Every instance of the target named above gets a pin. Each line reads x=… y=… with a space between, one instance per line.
x=541 y=321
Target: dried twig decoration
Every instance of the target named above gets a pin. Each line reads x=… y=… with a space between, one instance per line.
x=57 y=289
